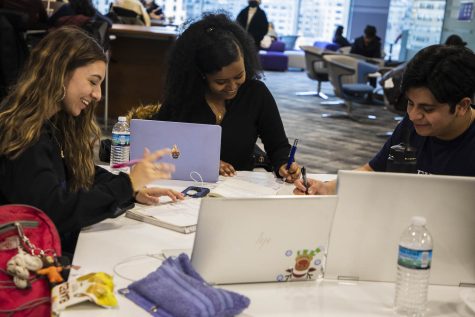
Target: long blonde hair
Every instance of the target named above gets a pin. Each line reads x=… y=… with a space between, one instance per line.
x=39 y=93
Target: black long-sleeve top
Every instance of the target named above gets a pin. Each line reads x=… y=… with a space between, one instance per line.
x=251 y=114
x=38 y=177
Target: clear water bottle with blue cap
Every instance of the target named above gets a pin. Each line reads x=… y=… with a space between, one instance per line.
x=413 y=269
x=120 y=147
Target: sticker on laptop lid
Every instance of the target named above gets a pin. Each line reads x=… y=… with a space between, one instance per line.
x=175 y=152
x=306 y=265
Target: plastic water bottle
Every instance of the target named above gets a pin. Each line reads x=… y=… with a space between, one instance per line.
x=413 y=270
x=120 y=148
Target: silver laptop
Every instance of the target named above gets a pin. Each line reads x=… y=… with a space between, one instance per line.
x=196 y=147
x=247 y=240
x=373 y=210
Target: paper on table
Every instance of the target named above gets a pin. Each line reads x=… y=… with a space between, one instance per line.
x=234 y=187
x=181 y=213
x=265 y=179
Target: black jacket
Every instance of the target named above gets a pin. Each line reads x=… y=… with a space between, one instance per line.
x=38 y=177
x=258 y=26
x=251 y=114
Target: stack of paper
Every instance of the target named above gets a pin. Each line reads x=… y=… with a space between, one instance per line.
x=181 y=216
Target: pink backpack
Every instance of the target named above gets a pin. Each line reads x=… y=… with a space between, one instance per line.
x=28 y=230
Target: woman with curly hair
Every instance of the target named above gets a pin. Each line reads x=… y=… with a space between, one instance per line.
x=213 y=78
x=47 y=136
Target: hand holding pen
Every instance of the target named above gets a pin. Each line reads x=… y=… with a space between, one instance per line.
x=290 y=171
x=308 y=186
x=293 y=149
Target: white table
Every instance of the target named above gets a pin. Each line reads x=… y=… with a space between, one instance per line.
x=122 y=244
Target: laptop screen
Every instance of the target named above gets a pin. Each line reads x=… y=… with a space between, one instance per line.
x=195 y=147
x=269 y=239
x=373 y=210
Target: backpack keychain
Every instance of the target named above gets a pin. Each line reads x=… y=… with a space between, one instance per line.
x=52 y=270
x=27 y=235
x=35 y=260
x=20 y=265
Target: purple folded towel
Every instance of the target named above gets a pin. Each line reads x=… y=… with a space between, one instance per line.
x=175 y=289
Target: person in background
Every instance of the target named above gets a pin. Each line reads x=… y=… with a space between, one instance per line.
x=47 y=136
x=455 y=40
x=37 y=17
x=339 y=39
x=272 y=32
x=254 y=20
x=77 y=7
x=270 y=37
x=153 y=9
x=213 y=78
x=369 y=44
x=135 y=6
x=439 y=83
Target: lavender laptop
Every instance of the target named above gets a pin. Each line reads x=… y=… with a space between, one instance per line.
x=195 y=147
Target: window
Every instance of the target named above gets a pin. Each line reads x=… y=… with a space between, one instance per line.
x=413 y=25
x=310 y=19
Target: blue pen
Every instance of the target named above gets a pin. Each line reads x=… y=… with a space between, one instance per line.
x=292 y=154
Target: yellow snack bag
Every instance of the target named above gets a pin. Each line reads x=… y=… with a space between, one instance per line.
x=95 y=287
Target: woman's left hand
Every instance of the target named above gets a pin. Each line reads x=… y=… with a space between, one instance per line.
x=226 y=169
x=290 y=175
x=150 y=196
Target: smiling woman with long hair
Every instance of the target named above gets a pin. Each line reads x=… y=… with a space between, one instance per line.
x=47 y=135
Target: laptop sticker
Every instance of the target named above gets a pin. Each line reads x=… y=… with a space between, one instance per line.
x=306 y=264
x=175 y=152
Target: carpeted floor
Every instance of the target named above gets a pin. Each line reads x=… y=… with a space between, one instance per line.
x=325 y=144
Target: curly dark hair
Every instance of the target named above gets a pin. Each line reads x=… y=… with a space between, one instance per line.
x=447 y=71
x=205 y=47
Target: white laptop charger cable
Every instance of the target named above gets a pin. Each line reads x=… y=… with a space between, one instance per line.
x=158 y=256
x=196 y=180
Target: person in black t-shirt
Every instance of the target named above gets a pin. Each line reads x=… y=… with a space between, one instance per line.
x=439 y=83
x=213 y=79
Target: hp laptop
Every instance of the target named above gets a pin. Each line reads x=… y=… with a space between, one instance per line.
x=195 y=147
x=373 y=210
x=248 y=240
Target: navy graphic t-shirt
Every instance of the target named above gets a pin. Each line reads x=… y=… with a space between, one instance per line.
x=434 y=156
